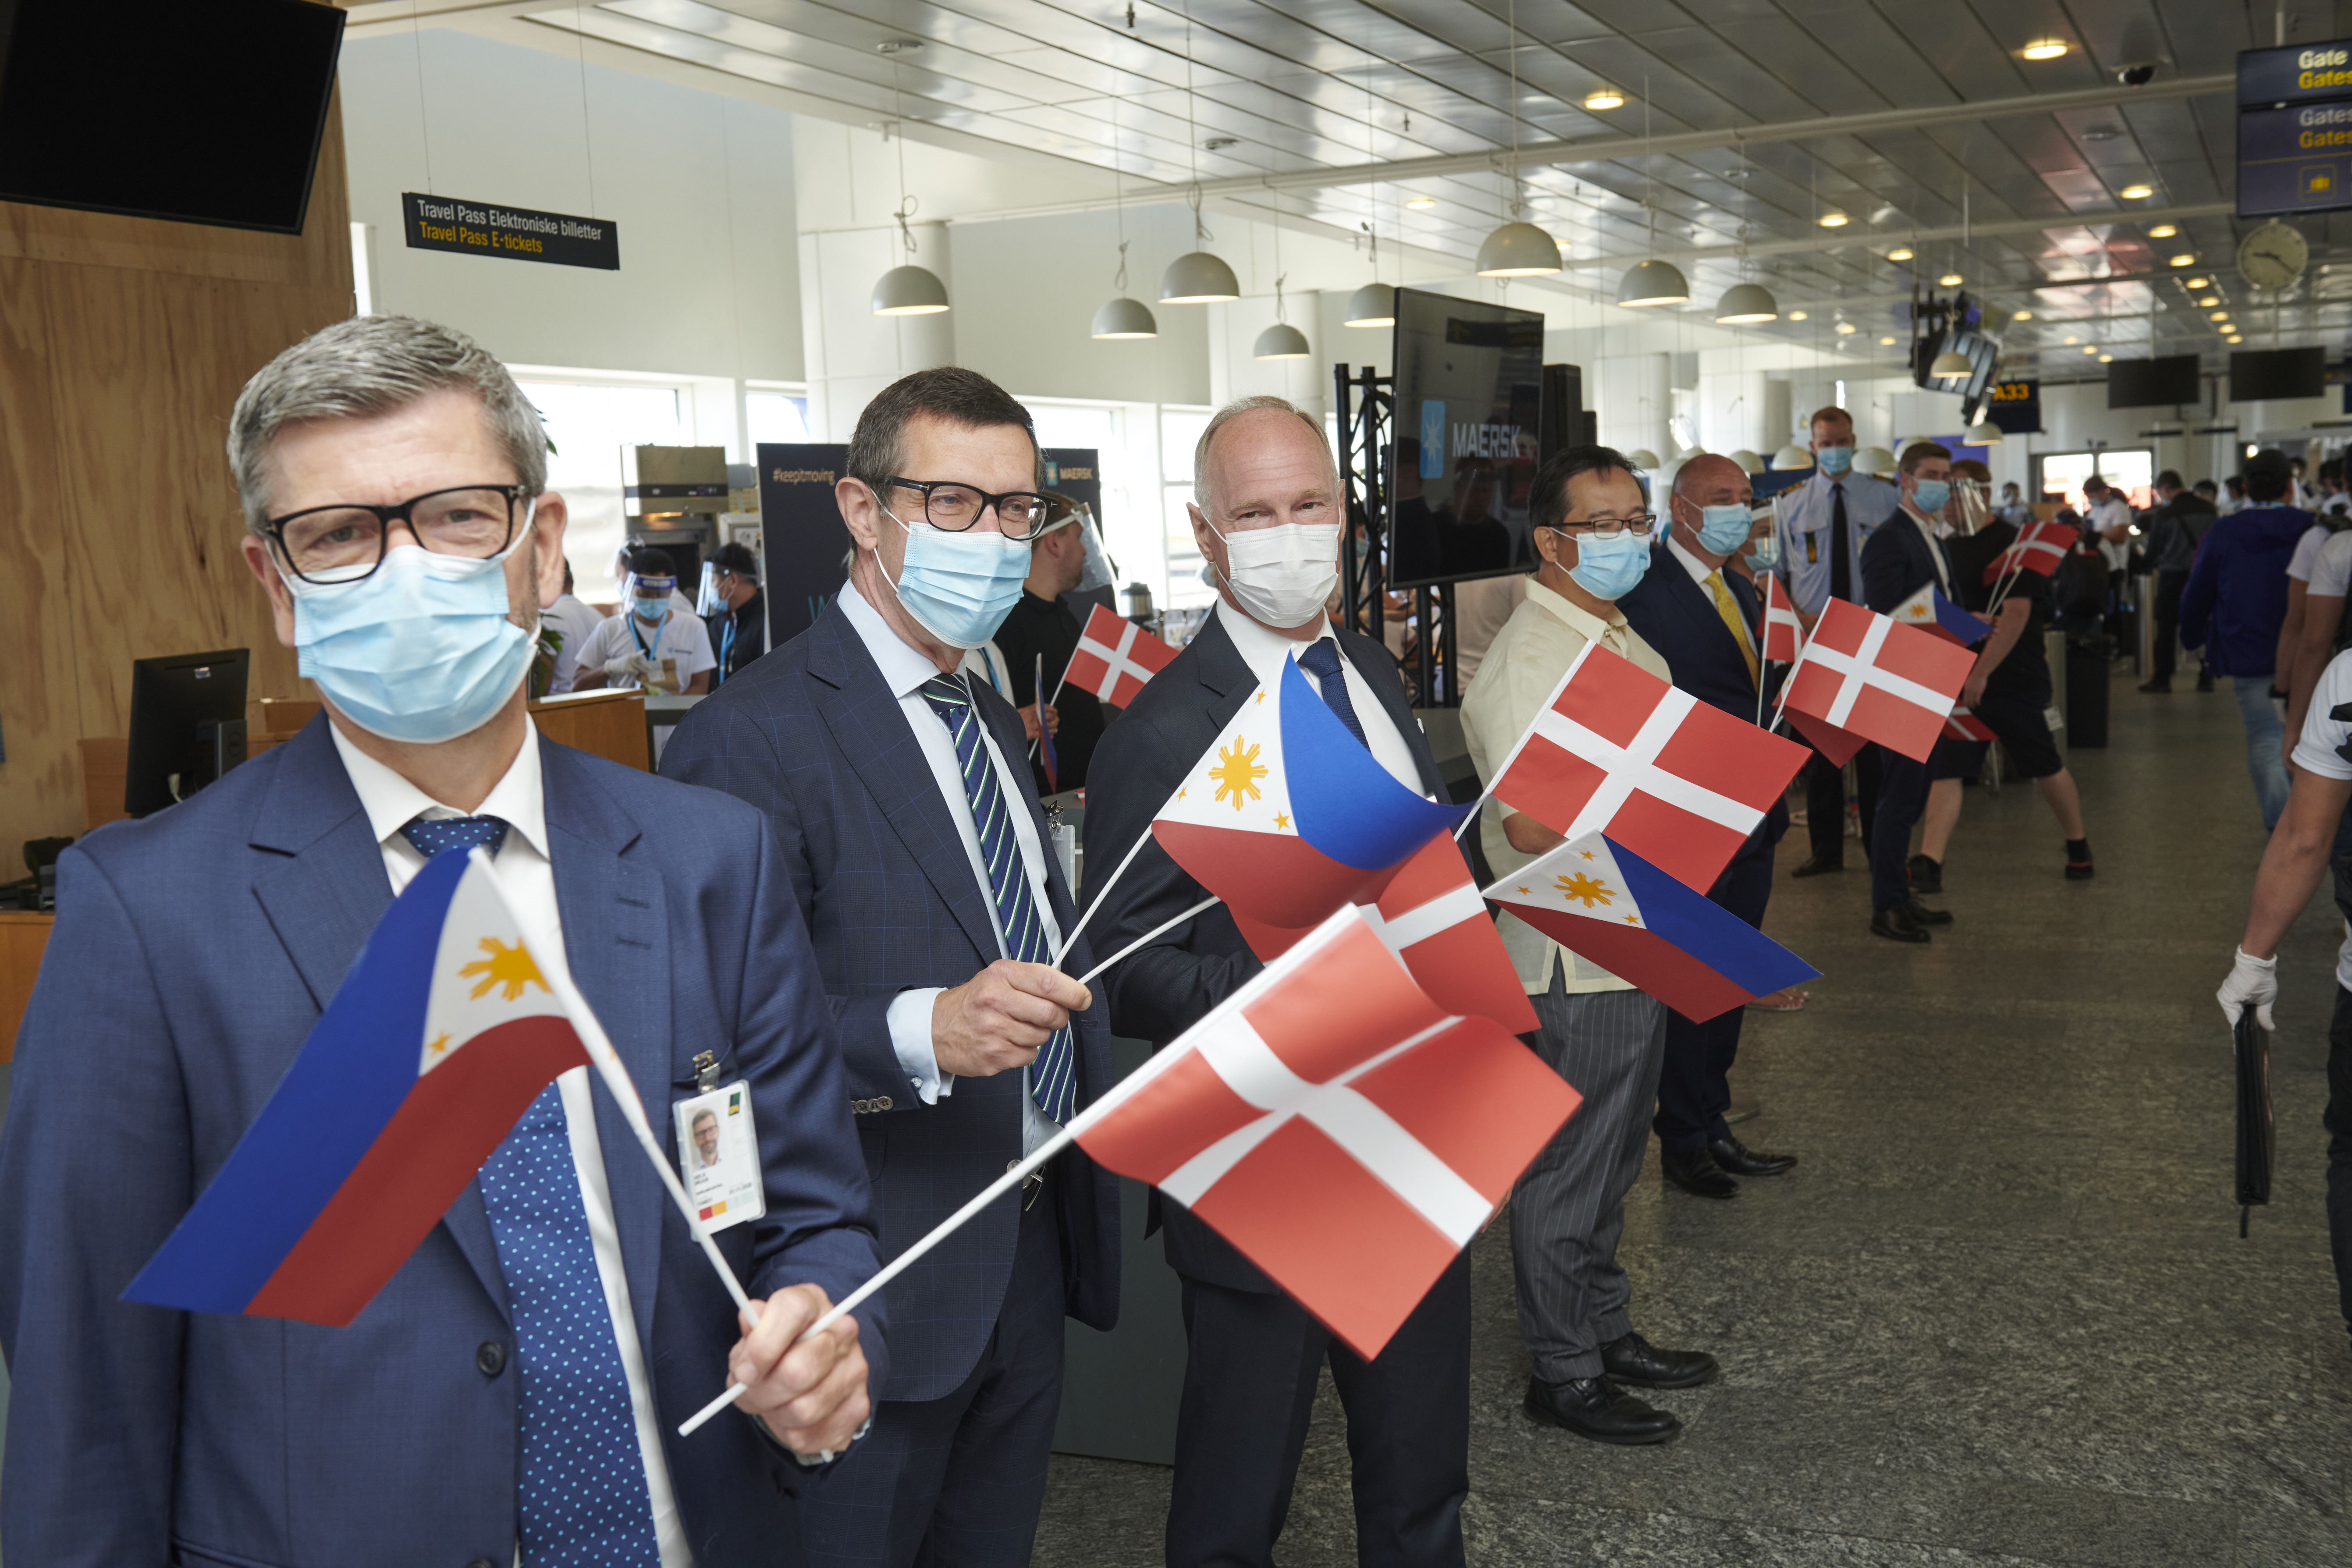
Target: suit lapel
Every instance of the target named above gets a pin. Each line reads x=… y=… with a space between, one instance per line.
x=871 y=731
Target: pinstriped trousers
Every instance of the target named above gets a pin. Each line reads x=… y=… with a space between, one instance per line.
x=1569 y=1209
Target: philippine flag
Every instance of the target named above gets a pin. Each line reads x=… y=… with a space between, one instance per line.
x=1288 y=817
x=1599 y=900
x=1938 y=616
x=440 y=1036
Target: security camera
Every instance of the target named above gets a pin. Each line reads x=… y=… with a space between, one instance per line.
x=2138 y=74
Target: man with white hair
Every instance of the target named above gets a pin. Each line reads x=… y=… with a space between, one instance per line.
x=1268 y=515
x=513 y=1394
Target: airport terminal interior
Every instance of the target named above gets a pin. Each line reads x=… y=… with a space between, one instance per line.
x=2008 y=1309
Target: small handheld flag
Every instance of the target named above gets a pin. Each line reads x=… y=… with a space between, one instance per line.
x=1964 y=724
x=1288 y=818
x=1599 y=900
x=1938 y=616
x=1335 y=1125
x=1115 y=657
x=1784 y=634
x=442 y=1035
x=1052 y=763
x=2039 y=549
x=1889 y=682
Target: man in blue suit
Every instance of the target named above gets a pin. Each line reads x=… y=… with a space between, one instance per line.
x=1903 y=556
x=513 y=1392
x=1704 y=620
x=898 y=792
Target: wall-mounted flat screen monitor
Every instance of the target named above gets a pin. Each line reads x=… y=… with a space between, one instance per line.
x=200 y=111
x=2153 y=383
x=2267 y=373
x=1469 y=398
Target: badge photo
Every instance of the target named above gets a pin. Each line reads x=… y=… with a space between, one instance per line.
x=719 y=1155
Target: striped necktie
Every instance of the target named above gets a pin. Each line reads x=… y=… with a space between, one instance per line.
x=1052 y=1078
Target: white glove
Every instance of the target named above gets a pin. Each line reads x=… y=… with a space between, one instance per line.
x=622 y=664
x=2252 y=981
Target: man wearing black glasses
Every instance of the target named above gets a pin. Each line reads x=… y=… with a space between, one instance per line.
x=901 y=794
x=1594 y=529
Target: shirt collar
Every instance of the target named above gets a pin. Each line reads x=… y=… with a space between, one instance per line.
x=904 y=670
x=1700 y=571
x=392 y=802
x=1262 y=648
x=1585 y=623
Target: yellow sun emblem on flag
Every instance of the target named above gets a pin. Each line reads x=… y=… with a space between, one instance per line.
x=1237 y=770
x=509 y=967
x=1592 y=890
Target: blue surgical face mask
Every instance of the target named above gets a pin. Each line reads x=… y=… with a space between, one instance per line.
x=957 y=587
x=1723 y=529
x=1930 y=496
x=1607 y=569
x=650 y=607
x=422 y=651
x=1835 y=460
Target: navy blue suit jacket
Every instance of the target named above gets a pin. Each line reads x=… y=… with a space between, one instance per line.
x=813 y=737
x=1168 y=985
x=1677 y=618
x=1897 y=562
x=193 y=953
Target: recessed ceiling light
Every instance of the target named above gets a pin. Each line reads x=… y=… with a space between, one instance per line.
x=2090 y=348
x=2137 y=193
x=1901 y=253
x=1421 y=203
x=1844 y=328
x=2101 y=134
x=2196 y=282
x=2025 y=316
x=2184 y=261
x=2071 y=339
x=2217 y=315
x=2044 y=50
x=1604 y=97
x=1886 y=343
x=1796 y=315
x=1833 y=220
x=2236 y=337
x=2163 y=231
x=2210 y=299
x=1950 y=280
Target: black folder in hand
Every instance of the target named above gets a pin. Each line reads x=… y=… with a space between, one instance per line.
x=2257 y=1132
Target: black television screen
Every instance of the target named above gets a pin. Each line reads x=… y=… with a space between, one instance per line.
x=2277 y=373
x=201 y=111
x=1469 y=393
x=2153 y=383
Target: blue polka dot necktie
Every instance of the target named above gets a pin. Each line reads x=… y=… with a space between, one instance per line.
x=1320 y=659
x=584 y=1503
x=437 y=836
x=1053 y=1077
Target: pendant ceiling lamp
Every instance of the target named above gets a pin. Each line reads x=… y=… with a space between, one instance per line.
x=1744 y=304
x=1874 y=460
x=1373 y=305
x=1791 y=456
x=1983 y=432
x=1196 y=277
x=1951 y=365
x=1121 y=317
x=1642 y=457
x=1282 y=341
x=1651 y=282
x=1749 y=463
x=1518 y=249
x=907 y=289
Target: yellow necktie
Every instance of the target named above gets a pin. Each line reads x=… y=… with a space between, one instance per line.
x=1738 y=630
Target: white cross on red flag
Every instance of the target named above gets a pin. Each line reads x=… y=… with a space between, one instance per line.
x=1114 y=657
x=2037 y=550
x=1784 y=635
x=1865 y=674
x=1337 y=1126
x=1617 y=750
x=1964 y=724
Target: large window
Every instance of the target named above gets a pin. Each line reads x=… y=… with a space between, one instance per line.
x=588 y=422
x=1180 y=432
x=775 y=414
x=2059 y=475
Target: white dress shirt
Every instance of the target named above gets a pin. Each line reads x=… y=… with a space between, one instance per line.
x=904 y=671
x=1935 y=550
x=1699 y=573
x=1263 y=650
x=519 y=799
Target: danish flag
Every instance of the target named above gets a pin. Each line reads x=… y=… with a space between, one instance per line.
x=2037 y=550
x=1784 y=635
x=1964 y=724
x=1114 y=657
x=1865 y=674
x=1337 y=1126
x=1679 y=782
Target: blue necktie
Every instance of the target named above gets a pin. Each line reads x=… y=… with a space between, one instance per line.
x=585 y=1499
x=1321 y=660
x=1053 y=1077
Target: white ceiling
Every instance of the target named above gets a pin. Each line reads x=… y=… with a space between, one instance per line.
x=1242 y=90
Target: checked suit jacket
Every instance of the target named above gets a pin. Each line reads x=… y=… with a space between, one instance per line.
x=813 y=735
x=1167 y=987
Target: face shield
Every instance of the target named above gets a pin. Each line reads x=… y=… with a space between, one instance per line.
x=649 y=597
x=710 y=600
x=1971 y=507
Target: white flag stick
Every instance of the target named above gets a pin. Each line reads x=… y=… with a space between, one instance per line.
x=1161 y=929
x=1071 y=938
x=1048 y=702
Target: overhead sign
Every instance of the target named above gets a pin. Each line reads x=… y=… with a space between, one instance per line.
x=512 y=233
x=2298 y=73
x=2295 y=129
x=2015 y=407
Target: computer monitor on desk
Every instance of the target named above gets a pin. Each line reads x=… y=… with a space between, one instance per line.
x=187 y=725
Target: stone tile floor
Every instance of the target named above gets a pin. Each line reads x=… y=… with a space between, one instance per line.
x=2001 y=1315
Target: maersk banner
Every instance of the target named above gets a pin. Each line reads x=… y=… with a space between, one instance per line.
x=511 y=234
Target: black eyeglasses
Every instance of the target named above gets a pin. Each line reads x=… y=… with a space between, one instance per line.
x=1641 y=523
x=345 y=543
x=955 y=506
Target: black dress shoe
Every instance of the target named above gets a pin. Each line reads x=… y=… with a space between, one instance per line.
x=1597 y=1408
x=1697 y=1173
x=1897 y=926
x=1816 y=866
x=1730 y=1153
x=1927 y=875
x=1635 y=1360
x=1922 y=915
